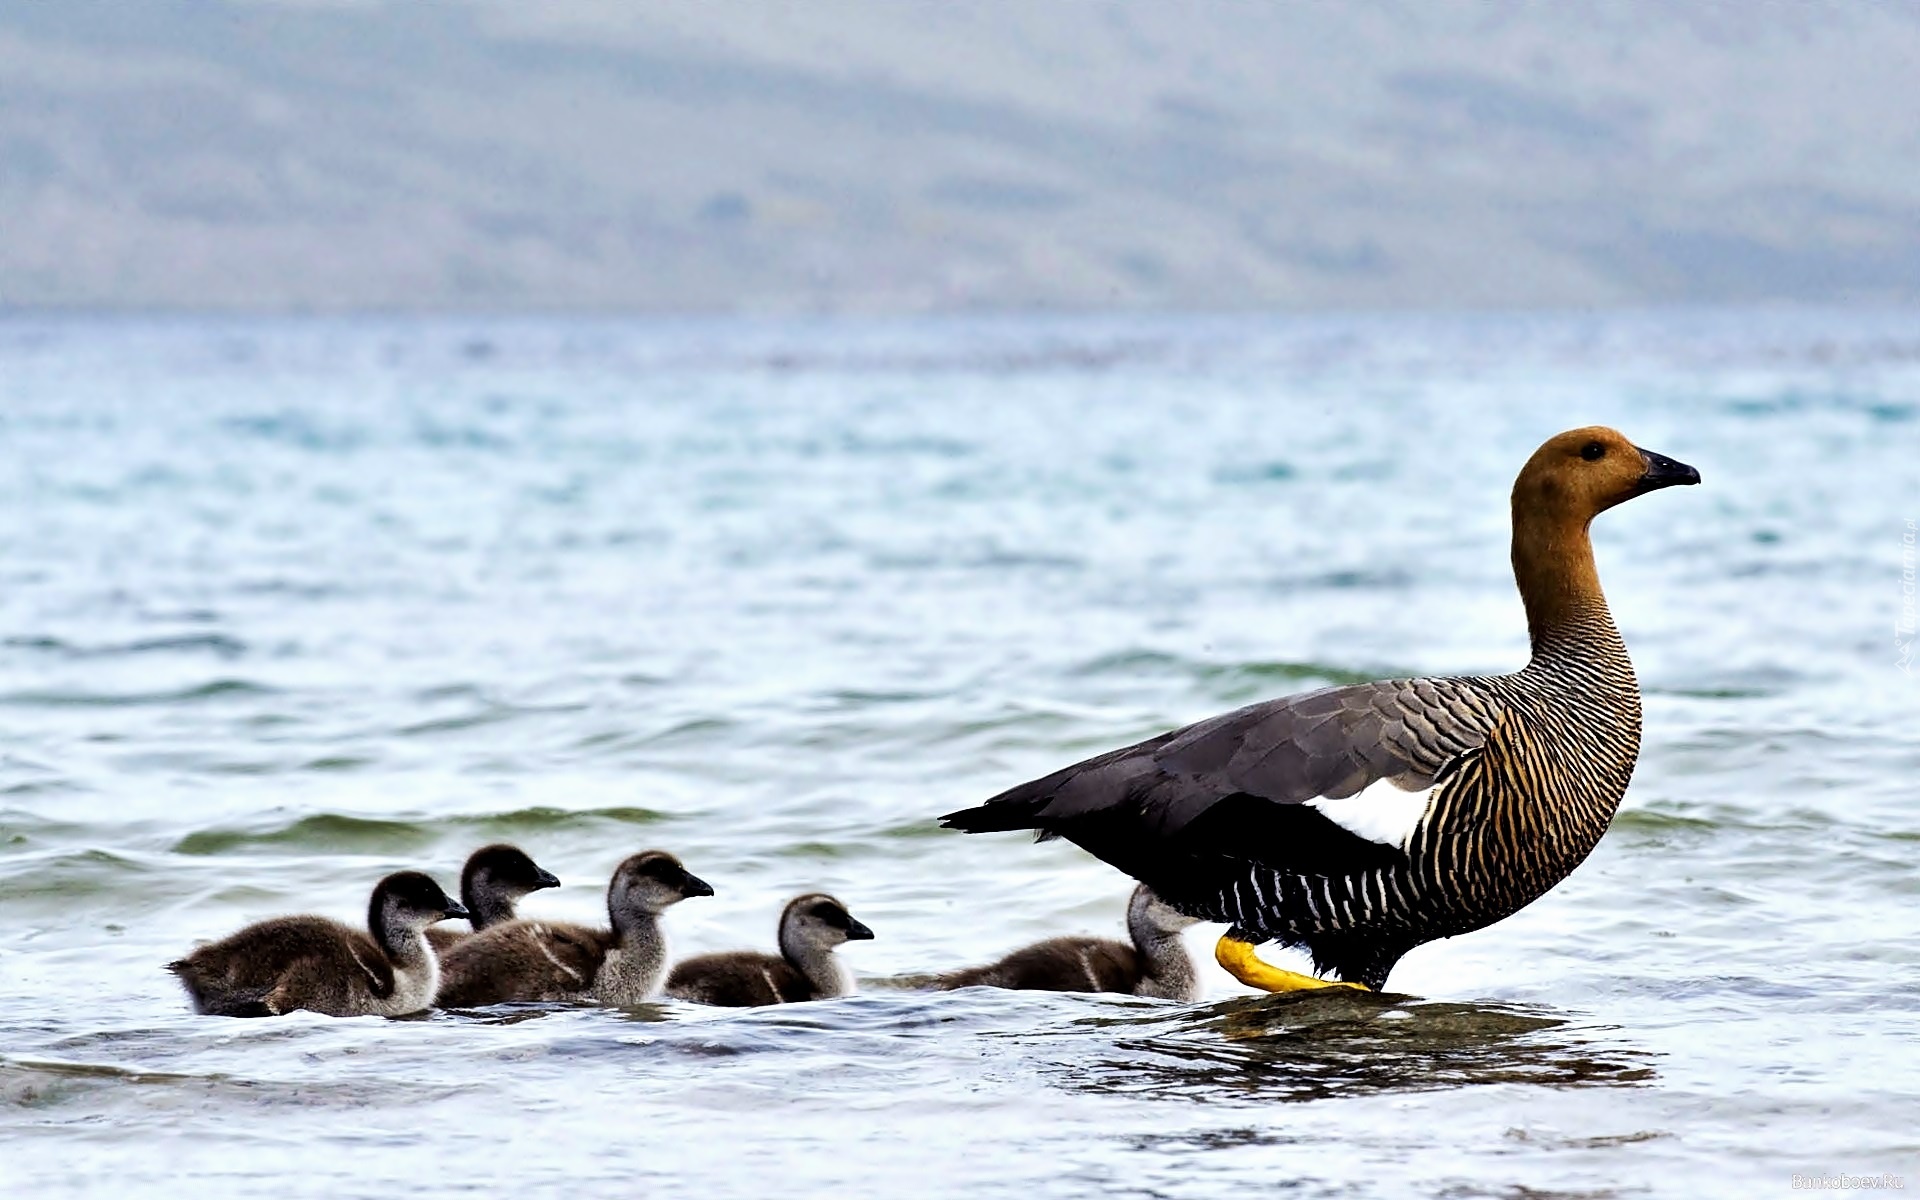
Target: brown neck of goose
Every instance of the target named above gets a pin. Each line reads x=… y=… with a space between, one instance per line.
x=1553 y=564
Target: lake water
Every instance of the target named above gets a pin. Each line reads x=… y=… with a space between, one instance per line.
x=289 y=605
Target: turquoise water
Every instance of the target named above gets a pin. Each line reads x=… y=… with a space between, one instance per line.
x=285 y=605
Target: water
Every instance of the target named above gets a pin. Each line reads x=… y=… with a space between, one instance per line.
x=287 y=605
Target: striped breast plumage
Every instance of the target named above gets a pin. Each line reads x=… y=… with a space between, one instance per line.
x=1360 y=821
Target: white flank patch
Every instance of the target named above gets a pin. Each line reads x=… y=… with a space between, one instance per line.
x=1379 y=812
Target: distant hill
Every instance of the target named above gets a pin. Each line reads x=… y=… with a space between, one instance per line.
x=934 y=154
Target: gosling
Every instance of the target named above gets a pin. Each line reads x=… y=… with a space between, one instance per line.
x=550 y=961
x=1157 y=964
x=493 y=881
x=287 y=963
x=805 y=969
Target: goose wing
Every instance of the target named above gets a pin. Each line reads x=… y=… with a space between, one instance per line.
x=1331 y=782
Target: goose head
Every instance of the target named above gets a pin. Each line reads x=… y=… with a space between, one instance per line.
x=497 y=876
x=410 y=900
x=1572 y=478
x=816 y=922
x=647 y=884
x=1577 y=475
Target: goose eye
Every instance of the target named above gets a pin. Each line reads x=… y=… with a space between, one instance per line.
x=1593 y=451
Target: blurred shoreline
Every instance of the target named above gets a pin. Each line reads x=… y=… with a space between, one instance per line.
x=917 y=156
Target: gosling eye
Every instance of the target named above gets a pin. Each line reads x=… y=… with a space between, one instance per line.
x=1593 y=452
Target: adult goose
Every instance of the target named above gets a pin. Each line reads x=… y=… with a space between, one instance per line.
x=276 y=966
x=492 y=882
x=1359 y=822
x=555 y=961
x=1153 y=963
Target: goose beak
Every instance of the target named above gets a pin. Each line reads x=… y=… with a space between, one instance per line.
x=456 y=909
x=545 y=879
x=856 y=932
x=693 y=885
x=1662 y=471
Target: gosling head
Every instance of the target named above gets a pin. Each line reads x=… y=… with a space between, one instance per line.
x=503 y=872
x=410 y=900
x=1581 y=473
x=1149 y=915
x=817 y=921
x=649 y=883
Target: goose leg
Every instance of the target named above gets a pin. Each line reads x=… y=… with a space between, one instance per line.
x=1237 y=956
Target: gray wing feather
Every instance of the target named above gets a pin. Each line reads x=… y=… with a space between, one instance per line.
x=1330 y=743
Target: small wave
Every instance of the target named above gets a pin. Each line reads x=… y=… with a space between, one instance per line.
x=997 y=558
x=923 y=446
x=542 y=819
x=455 y=724
x=332 y=763
x=214 y=689
x=861 y=697
x=691 y=731
x=1795 y=401
x=1133 y=662
x=1294 y=672
x=444 y=436
x=1155 y=663
x=49 y=1083
x=217 y=644
x=41 y=787
x=17 y=828
x=294 y=589
x=92 y=1070
x=1255 y=473
x=330 y=831
x=1715 y=693
x=491 y=714
x=340 y=832
x=1653 y=820
x=297 y=429
x=69 y=874
x=1755 y=683
x=1384 y=580
x=815 y=851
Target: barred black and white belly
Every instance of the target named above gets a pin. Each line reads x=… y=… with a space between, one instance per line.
x=1501 y=828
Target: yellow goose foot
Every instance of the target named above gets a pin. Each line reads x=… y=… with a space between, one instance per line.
x=1242 y=963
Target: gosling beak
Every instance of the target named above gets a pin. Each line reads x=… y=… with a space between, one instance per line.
x=545 y=879
x=455 y=909
x=693 y=885
x=1662 y=471
x=856 y=932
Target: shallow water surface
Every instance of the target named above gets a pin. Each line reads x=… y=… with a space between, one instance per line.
x=288 y=605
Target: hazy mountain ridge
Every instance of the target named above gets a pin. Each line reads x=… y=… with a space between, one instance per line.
x=861 y=155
